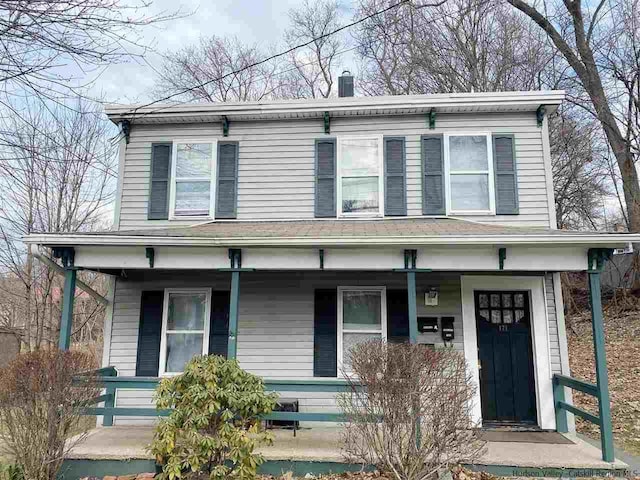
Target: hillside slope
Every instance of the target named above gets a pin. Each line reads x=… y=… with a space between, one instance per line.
x=623 y=358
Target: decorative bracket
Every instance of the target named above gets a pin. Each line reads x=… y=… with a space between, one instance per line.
x=410 y=257
x=597 y=257
x=66 y=255
x=432 y=119
x=125 y=129
x=502 y=255
x=540 y=114
x=150 y=253
x=235 y=255
x=327 y=123
x=321 y=254
x=225 y=126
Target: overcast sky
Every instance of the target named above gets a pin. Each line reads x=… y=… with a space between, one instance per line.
x=259 y=21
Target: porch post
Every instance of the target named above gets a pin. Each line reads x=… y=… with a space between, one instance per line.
x=413 y=315
x=68 y=294
x=606 y=431
x=233 y=315
x=235 y=255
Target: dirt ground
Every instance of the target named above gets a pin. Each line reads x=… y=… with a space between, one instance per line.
x=622 y=332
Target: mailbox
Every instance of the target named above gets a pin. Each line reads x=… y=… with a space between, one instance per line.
x=427 y=324
x=447 y=329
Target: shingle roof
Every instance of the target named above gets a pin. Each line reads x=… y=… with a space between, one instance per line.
x=414 y=227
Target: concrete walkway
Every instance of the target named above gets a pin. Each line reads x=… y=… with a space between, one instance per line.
x=323 y=445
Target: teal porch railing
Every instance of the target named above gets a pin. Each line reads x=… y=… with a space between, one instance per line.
x=108 y=379
x=562 y=407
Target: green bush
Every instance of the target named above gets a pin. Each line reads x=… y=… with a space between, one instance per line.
x=215 y=425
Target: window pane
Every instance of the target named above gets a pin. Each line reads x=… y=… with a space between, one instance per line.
x=360 y=194
x=182 y=347
x=351 y=339
x=359 y=157
x=362 y=310
x=186 y=311
x=469 y=192
x=192 y=198
x=468 y=153
x=193 y=160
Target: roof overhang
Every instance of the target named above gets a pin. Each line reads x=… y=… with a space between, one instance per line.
x=528 y=101
x=602 y=240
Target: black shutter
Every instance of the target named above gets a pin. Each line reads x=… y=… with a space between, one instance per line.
x=149 y=333
x=325 y=178
x=159 y=183
x=433 y=187
x=219 y=327
x=227 y=191
x=325 y=333
x=397 y=316
x=395 y=192
x=504 y=155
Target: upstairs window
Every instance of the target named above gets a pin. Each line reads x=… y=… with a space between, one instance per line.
x=360 y=176
x=469 y=169
x=192 y=174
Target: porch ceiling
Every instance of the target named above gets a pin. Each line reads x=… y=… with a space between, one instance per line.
x=340 y=232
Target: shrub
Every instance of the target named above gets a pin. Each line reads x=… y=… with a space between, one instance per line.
x=215 y=425
x=408 y=409
x=40 y=409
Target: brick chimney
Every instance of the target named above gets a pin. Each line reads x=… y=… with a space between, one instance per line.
x=345 y=84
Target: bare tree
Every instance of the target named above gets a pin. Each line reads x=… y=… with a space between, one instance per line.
x=206 y=72
x=55 y=176
x=459 y=46
x=600 y=43
x=41 y=37
x=313 y=66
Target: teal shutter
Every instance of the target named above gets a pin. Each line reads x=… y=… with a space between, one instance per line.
x=506 y=178
x=149 y=333
x=397 y=316
x=325 y=333
x=395 y=174
x=219 y=326
x=433 y=186
x=227 y=185
x=325 y=201
x=159 y=184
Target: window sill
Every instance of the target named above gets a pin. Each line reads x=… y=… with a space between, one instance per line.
x=471 y=212
x=192 y=217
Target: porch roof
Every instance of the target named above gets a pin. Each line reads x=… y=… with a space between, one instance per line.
x=338 y=232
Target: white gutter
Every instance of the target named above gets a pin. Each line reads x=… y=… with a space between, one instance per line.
x=478 y=101
x=611 y=240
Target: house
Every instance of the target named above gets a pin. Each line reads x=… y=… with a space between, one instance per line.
x=281 y=233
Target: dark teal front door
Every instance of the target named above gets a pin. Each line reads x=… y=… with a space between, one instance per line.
x=507 y=383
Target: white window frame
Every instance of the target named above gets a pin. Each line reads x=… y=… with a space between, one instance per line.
x=488 y=171
x=340 y=140
x=341 y=329
x=174 y=180
x=165 y=318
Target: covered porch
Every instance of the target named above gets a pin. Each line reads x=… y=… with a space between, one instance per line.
x=258 y=267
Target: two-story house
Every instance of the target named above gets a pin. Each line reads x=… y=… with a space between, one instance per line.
x=281 y=233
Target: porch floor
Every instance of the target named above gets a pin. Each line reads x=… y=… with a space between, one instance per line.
x=322 y=444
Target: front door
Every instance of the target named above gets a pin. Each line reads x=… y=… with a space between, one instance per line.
x=507 y=383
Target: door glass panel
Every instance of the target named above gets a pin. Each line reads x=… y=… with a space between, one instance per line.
x=518 y=300
x=519 y=315
x=483 y=300
x=351 y=339
x=507 y=316
x=495 y=316
x=362 y=310
x=484 y=314
x=506 y=300
x=495 y=300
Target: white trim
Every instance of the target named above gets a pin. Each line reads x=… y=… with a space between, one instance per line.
x=448 y=102
x=107 y=329
x=383 y=318
x=548 y=173
x=489 y=172
x=612 y=240
x=122 y=150
x=174 y=179
x=539 y=326
x=339 y=141
x=165 y=316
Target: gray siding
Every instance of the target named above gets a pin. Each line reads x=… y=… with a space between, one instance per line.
x=275 y=335
x=276 y=162
x=554 y=341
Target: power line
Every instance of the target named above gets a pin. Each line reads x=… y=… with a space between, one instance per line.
x=277 y=55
